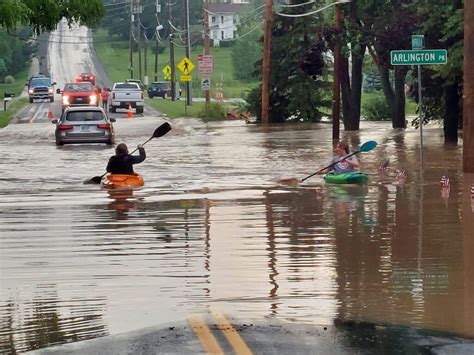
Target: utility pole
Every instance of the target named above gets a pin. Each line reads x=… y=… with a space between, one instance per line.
x=130 y=54
x=468 y=99
x=145 y=64
x=189 y=94
x=336 y=89
x=159 y=27
x=267 y=39
x=207 y=41
x=172 y=64
x=139 y=47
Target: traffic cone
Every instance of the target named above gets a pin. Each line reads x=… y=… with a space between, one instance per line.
x=129 y=113
x=50 y=115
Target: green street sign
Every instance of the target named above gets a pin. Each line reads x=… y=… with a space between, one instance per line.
x=419 y=57
x=417 y=42
x=2 y=62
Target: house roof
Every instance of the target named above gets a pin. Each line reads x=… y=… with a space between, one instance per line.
x=226 y=8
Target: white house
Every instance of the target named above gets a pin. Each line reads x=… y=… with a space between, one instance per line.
x=223 y=18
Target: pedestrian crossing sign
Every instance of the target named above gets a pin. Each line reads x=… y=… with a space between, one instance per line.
x=186 y=66
x=167 y=72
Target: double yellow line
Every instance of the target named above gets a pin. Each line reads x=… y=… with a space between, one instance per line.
x=209 y=342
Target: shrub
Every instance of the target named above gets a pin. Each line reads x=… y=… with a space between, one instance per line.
x=215 y=112
x=9 y=79
x=375 y=108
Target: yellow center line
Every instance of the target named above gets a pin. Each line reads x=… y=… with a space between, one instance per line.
x=207 y=340
x=231 y=334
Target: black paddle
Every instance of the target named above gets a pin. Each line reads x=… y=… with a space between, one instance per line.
x=159 y=132
x=367 y=146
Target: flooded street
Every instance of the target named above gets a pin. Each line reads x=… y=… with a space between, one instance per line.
x=222 y=223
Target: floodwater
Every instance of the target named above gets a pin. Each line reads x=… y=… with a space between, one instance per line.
x=222 y=221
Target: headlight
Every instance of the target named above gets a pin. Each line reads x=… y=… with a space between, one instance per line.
x=50 y=91
x=93 y=99
x=65 y=100
x=30 y=91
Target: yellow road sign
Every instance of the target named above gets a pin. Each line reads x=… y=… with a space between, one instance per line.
x=185 y=77
x=167 y=71
x=186 y=66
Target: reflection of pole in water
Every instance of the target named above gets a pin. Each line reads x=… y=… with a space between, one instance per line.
x=207 y=248
x=272 y=251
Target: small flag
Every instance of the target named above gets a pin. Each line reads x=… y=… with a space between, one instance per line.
x=444 y=182
x=400 y=174
x=472 y=191
x=384 y=165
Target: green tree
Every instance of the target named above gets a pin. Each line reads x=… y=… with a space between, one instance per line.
x=297 y=85
x=44 y=15
x=442 y=84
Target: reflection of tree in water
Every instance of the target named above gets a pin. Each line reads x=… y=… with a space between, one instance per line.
x=46 y=324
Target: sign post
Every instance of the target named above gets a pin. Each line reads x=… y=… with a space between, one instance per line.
x=419 y=56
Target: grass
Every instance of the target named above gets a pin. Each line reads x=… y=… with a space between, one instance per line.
x=12 y=108
x=16 y=104
x=410 y=105
x=175 y=109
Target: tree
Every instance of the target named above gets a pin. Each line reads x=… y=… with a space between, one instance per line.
x=295 y=95
x=44 y=15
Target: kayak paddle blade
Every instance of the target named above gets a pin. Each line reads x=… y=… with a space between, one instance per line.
x=162 y=130
x=368 y=146
x=94 y=180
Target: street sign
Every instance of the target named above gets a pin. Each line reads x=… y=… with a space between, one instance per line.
x=2 y=62
x=186 y=66
x=167 y=72
x=419 y=57
x=185 y=77
x=205 y=64
x=417 y=42
x=206 y=84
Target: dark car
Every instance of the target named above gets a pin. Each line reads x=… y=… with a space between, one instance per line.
x=88 y=77
x=40 y=87
x=162 y=89
x=84 y=124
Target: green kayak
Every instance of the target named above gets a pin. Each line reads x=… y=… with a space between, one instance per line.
x=353 y=177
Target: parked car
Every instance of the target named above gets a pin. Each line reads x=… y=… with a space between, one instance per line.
x=78 y=94
x=86 y=77
x=40 y=87
x=84 y=124
x=125 y=95
x=162 y=89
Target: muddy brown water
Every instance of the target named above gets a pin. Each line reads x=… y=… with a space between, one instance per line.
x=223 y=221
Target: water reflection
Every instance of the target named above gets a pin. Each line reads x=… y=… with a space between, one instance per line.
x=222 y=226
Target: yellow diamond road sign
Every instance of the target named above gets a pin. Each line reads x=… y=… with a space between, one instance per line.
x=167 y=71
x=186 y=66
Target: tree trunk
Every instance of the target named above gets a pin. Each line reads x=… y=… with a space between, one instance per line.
x=398 y=114
x=451 y=110
x=387 y=88
x=351 y=89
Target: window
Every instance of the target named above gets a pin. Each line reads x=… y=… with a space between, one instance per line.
x=222 y=19
x=222 y=34
x=213 y=19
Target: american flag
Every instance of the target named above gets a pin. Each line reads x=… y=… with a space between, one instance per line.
x=400 y=174
x=384 y=165
x=444 y=182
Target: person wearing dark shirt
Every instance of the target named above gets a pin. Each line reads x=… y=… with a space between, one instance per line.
x=122 y=162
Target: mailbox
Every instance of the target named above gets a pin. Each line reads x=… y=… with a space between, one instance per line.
x=8 y=96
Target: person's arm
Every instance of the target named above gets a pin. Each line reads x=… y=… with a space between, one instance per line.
x=141 y=157
x=352 y=161
x=109 y=167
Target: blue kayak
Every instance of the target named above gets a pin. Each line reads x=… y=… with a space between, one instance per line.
x=353 y=177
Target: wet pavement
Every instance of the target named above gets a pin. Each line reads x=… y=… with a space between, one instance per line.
x=223 y=223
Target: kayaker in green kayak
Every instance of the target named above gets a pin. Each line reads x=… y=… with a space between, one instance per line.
x=342 y=165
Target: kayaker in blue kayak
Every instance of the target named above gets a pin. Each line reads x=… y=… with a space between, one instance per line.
x=122 y=162
x=342 y=165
